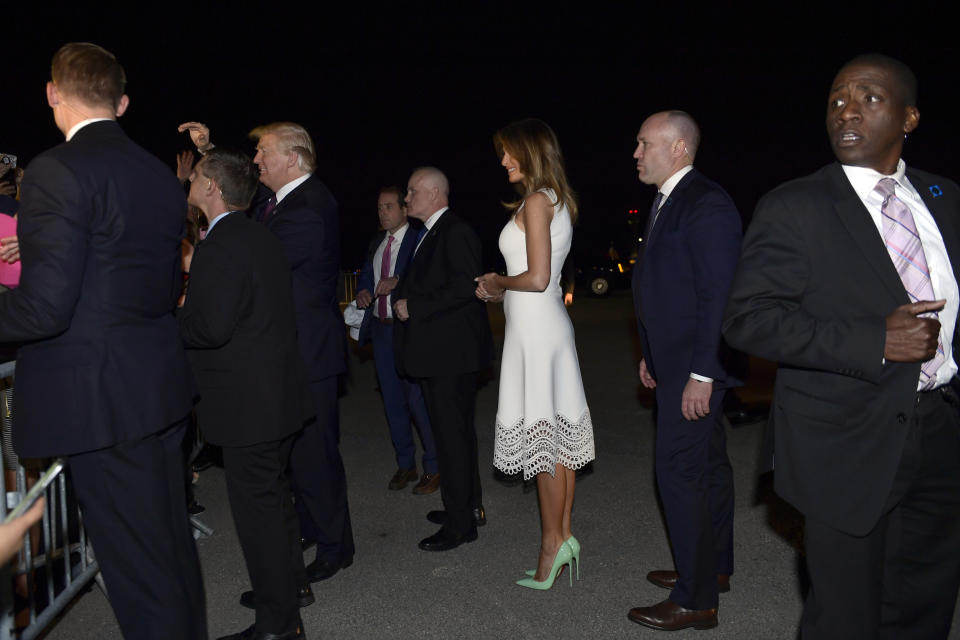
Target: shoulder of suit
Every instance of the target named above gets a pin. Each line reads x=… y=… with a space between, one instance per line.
x=818 y=183
x=694 y=186
x=932 y=182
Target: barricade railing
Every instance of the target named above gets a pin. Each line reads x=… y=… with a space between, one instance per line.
x=348 y=280
x=56 y=561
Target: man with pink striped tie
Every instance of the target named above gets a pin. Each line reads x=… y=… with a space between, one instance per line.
x=848 y=278
x=387 y=259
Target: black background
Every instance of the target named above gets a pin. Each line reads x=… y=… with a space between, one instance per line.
x=386 y=87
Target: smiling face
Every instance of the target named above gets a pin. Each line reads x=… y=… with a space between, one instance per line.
x=867 y=117
x=273 y=163
x=508 y=162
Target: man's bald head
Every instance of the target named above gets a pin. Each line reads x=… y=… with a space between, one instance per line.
x=427 y=192
x=684 y=128
x=667 y=142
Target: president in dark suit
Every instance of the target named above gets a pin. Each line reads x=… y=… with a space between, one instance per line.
x=849 y=280
x=443 y=339
x=684 y=267
x=102 y=377
x=239 y=328
x=387 y=260
x=303 y=215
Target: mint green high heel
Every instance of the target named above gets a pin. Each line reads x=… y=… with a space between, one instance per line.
x=564 y=557
x=574 y=545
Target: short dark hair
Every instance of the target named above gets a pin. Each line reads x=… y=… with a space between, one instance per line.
x=401 y=194
x=88 y=72
x=905 y=79
x=234 y=172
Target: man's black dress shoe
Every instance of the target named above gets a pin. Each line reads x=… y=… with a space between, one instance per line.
x=304 y=598
x=440 y=517
x=250 y=633
x=320 y=569
x=444 y=540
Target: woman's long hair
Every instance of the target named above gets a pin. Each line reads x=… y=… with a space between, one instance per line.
x=533 y=144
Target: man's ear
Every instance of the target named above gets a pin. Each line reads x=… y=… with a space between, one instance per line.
x=122 y=105
x=912 y=120
x=53 y=96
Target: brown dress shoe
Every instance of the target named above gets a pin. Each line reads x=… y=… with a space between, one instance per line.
x=669 y=616
x=668 y=580
x=401 y=478
x=429 y=483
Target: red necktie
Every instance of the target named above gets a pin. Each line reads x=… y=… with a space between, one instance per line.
x=384 y=274
x=268 y=209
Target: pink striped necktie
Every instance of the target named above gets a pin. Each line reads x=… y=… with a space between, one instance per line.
x=905 y=249
x=384 y=273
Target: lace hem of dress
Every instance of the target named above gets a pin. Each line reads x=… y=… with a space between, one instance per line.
x=539 y=447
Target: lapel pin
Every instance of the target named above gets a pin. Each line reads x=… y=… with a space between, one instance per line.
x=936 y=190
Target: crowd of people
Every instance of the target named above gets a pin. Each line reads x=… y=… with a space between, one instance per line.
x=847 y=278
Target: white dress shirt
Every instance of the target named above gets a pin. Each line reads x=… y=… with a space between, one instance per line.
x=378 y=261
x=864 y=180
x=285 y=190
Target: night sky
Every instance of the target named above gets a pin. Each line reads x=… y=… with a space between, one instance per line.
x=383 y=88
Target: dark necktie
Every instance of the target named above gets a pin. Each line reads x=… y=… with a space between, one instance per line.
x=268 y=210
x=654 y=209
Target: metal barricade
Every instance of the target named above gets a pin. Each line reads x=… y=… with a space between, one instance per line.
x=56 y=561
x=348 y=280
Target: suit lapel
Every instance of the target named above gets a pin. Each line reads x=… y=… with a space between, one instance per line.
x=944 y=214
x=856 y=219
x=426 y=245
x=288 y=201
x=406 y=249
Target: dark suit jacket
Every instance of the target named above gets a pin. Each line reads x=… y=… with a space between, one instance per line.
x=239 y=329
x=308 y=226
x=680 y=283
x=365 y=279
x=100 y=228
x=448 y=331
x=813 y=289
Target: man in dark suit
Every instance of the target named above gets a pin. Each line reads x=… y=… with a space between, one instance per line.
x=102 y=377
x=390 y=253
x=684 y=267
x=848 y=279
x=443 y=339
x=303 y=215
x=240 y=331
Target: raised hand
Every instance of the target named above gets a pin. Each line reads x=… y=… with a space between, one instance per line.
x=184 y=165
x=199 y=133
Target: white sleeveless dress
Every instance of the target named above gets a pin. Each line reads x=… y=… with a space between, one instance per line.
x=542 y=414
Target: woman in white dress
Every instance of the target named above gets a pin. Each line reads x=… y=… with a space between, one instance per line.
x=543 y=423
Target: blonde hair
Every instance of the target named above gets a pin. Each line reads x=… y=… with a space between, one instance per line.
x=533 y=144
x=292 y=137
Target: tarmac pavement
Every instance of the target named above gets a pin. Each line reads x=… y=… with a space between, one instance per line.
x=394 y=590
